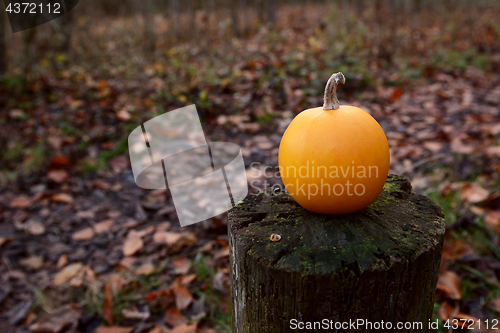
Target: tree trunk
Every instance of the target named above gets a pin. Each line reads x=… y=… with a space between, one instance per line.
x=379 y=264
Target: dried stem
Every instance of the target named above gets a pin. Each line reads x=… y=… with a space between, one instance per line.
x=330 y=100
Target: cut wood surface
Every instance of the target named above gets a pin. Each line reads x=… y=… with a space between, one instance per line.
x=378 y=264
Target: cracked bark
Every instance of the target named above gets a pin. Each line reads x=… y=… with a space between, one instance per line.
x=381 y=263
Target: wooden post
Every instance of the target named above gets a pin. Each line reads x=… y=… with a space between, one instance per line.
x=380 y=264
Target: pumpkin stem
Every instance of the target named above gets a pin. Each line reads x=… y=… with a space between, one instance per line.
x=330 y=100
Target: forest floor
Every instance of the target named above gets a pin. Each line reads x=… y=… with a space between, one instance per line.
x=82 y=247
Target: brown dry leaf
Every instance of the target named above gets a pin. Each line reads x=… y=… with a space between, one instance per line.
x=54 y=141
x=433 y=146
x=112 y=287
x=187 y=279
x=107 y=309
x=446 y=311
x=83 y=235
x=177 y=240
x=474 y=193
x=172 y=316
x=55 y=322
x=33 y=262
x=101 y=183
x=449 y=283
x=123 y=115
x=145 y=269
x=146 y=231
x=62 y=197
x=159 y=237
x=35 y=227
x=85 y=214
x=63 y=260
x=21 y=201
x=185 y=328
x=455 y=249
x=126 y=263
x=113 y=329
x=181 y=265
x=58 y=175
x=5 y=240
x=59 y=161
x=114 y=284
x=134 y=314
x=222 y=253
x=492 y=218
x=132 y=244
x=182 y=296
x=103 y=226
x=67 y=273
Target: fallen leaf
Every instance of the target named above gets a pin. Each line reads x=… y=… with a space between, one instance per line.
x=123 y=115
x=84 y=234
x=187 y=279
x=182 y=296
x=59 y=161
x=455 y=249
x=55 y=141
x=219 y=282
x=33 y=262
x=58 y=175
x=107 y=308
x=63 y=260
x=181 y=265
x=474 y=193
x=21 y=201
x=17 y=113
x=103 y=226
x=145 y=269
x=101 y=183
x=112 y=287
x=114 y=284
x=222 y=253
x=5 y=240
x=62 y=197
x=126 y=263
x=185 y=328
x=433 y=146
x=492 y=218
x=113 y=329
x=67 y=273
x=446 y=311
x=176 y=240
x=35 y=227
x=62 y=318
x=172 y=316
x=449 y=283
x=134 y=314
x=132 y=245
x=85 y=214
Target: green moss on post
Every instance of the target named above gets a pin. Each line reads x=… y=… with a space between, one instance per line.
x=381 y=263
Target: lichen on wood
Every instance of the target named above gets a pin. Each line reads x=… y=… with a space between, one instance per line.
x=377 y=264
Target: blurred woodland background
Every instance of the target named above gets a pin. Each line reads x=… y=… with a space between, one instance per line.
x=84 y=249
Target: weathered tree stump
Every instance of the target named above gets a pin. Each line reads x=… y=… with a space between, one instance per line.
x=380 y=264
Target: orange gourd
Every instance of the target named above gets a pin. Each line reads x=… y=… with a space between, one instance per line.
x=334 y=159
